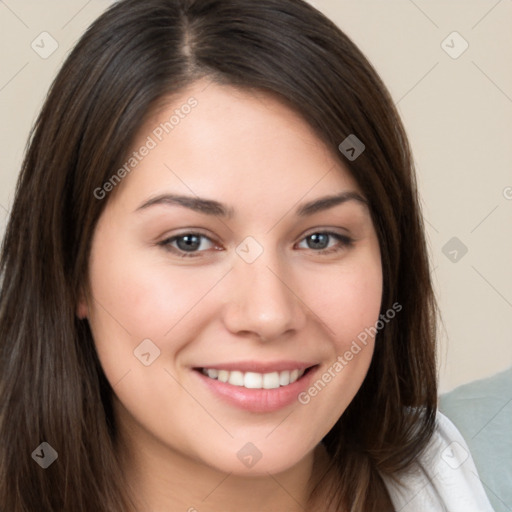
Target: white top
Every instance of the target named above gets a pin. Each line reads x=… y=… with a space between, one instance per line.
x=444 y=479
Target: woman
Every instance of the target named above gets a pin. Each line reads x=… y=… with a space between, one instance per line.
x=216 y=292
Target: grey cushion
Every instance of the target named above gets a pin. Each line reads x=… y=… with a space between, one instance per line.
x=482 y=411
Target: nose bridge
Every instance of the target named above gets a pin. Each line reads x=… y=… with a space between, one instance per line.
x=262 y=300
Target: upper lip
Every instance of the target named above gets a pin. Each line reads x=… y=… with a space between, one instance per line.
x=260 y=367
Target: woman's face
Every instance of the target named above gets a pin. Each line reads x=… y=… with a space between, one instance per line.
x=237 y=246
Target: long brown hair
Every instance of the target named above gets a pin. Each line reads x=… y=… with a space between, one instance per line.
x=52 y=387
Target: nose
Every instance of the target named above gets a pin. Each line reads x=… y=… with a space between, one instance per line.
x=263 y=301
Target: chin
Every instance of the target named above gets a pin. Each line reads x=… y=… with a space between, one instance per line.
x=258 y=458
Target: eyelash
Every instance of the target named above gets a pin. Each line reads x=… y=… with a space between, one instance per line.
x=344 y=242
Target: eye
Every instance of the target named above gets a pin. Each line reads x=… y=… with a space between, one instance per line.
x=325 y=241
x=188 y=244
x=192 y=244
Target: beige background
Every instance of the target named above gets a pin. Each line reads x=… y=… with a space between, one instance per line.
x=457 y=111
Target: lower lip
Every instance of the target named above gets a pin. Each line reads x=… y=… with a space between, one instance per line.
x=258 y=400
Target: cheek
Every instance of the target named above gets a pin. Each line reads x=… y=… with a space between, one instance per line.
x=137 y=297
x=348 y=302
x=146 y=296
x=347 y=299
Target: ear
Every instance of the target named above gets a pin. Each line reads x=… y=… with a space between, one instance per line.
x=82 y=309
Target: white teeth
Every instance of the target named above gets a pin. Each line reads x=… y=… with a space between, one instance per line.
x=271 y=380
x=284 y=378
x=236 y=378
x=213 y=374
x=223 y=375
x=253 y=380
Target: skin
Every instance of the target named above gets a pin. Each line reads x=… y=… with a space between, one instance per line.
x=257 y=157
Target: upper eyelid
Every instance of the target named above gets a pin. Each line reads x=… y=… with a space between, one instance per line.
x=332 y=230
x=190 y=231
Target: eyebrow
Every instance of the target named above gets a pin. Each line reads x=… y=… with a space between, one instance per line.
x=207 y=206
x=324 y=203
x=211 y=207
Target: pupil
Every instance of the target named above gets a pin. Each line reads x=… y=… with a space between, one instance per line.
x=188 y=242
x=318 y=241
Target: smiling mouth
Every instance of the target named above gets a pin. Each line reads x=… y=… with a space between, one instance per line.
x=254 y=380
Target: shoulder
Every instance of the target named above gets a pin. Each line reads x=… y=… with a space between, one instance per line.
x=444 y=477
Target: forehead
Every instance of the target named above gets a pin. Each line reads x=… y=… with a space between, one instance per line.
x=240 y=146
